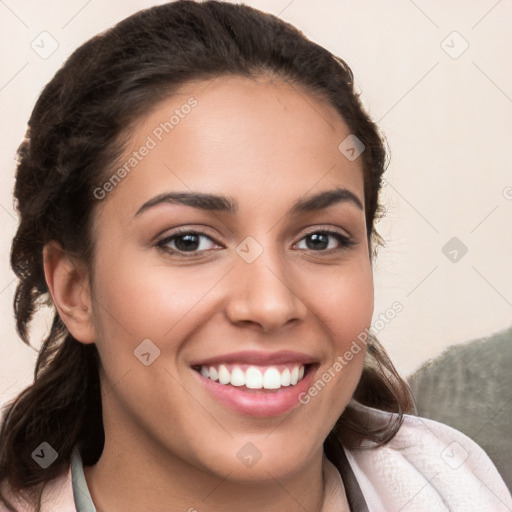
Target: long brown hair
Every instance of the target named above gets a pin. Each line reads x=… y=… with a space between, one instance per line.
x=76 y=132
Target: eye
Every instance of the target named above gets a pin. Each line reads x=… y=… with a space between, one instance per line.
x=196 y=242
x=319 y=240
x=185 y=241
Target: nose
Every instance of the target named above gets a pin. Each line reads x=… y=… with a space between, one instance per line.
x=264 y=293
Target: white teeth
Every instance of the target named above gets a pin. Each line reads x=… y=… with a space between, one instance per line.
x=272 y=379
x=213 y=373
x=237 y=377
x=224 y=375
x=253 y=378
x=294 y=376
x=285 y=377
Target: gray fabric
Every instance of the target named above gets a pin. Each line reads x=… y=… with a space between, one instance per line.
x=83 y=500
x=469 y=387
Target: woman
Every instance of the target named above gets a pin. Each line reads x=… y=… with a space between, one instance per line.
x=197 y=193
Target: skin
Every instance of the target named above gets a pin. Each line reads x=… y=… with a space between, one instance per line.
x=169 y=444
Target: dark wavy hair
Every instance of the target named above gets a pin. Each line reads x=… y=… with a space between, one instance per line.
x=75 y=135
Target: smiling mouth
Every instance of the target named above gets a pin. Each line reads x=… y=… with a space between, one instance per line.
x=252 y=377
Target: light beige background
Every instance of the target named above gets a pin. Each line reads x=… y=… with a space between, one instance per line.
x=447 y=121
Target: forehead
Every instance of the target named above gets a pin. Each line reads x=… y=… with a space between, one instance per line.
x=256 y=139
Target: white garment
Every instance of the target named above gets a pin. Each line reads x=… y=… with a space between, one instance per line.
x=429 y=467
x=426 y=467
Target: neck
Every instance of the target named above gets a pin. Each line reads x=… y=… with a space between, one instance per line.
x=146 y=477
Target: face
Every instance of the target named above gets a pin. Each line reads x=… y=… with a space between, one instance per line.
x=212 y=323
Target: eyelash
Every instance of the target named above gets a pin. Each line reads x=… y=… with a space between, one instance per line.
x=344 y=241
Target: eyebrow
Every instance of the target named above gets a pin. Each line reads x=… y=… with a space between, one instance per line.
x=213 y=202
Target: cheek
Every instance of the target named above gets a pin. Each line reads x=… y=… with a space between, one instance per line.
x=147 y=301
x=135 y=302
x=344 y=303
x=344 y=308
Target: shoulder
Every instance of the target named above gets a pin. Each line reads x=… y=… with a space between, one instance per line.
x=57 y=496
x=429 y=466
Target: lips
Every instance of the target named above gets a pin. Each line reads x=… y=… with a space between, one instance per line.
x=257 y=383
x=257 y=358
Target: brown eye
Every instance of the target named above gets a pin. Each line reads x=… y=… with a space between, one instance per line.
x=186 y=242
x=318 y=241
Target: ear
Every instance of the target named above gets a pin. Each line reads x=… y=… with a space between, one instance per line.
x=68 y=284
